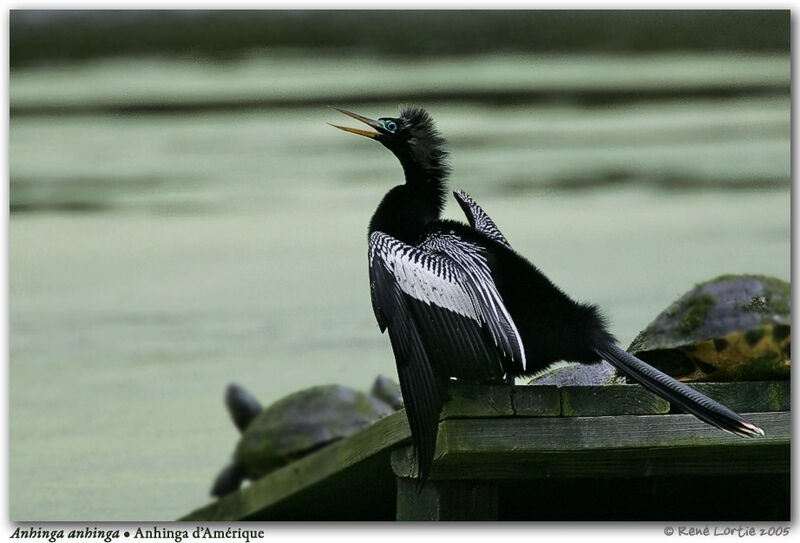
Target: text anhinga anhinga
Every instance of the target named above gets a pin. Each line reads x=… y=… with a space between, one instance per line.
x=459 y=302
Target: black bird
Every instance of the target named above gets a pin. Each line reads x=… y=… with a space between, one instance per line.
x=459 y=302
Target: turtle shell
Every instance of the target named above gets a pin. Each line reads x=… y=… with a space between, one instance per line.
x=302 y=423
x=731 y=328
x=388 y=392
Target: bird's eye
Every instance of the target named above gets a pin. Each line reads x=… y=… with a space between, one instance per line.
x=390 y=126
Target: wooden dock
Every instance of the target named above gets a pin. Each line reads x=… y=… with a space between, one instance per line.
x=544 y=453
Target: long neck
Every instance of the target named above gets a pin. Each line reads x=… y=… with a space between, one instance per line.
x=423 y=166
x=406 y=211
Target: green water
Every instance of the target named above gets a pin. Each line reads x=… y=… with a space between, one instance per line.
x=155 y=258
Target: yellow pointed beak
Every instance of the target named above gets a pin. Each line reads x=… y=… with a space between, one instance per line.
x=361 y=132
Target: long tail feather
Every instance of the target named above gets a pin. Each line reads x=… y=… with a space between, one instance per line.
x=701 y=406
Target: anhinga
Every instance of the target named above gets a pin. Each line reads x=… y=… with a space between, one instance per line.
x=459 y=302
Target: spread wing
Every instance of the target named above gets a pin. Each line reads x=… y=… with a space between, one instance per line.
x=445 y=318
x=478 y=218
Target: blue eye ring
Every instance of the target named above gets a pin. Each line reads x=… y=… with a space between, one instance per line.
x=390 y=126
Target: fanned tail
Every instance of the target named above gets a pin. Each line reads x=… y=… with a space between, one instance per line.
x=699 y=405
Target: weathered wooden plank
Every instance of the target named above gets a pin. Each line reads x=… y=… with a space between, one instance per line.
x=600 y=446
x=588 y=401
x=469 y=400
x=477 y=400
x=537 y=401
x=755 y=396
x=446 y=500
x=256 y=500
x=592 y=433
x=404 y=463
x=499 y=432
x=617 y=463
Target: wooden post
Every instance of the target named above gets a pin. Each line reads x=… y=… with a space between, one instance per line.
x=446 y=500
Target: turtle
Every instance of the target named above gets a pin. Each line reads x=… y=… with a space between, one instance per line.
x=297 y=425
x=388 y=391
x=730 y=328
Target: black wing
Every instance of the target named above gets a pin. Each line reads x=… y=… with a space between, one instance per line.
x=471 y=269
x=445 y=319
x=478 y=218
x=419 y=385
x=679 y=394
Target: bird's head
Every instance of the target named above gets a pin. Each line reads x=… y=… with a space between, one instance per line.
x=412 y=137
